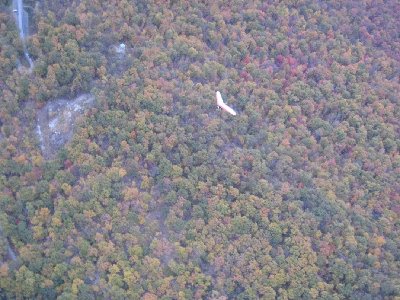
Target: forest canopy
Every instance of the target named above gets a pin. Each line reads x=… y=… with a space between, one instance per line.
x=159 y=195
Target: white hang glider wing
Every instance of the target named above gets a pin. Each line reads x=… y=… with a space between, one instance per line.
x=225 y=107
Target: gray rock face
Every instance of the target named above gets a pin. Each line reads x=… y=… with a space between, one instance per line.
x=56 y=122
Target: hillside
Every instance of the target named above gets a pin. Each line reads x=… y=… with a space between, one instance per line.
x=153 y=193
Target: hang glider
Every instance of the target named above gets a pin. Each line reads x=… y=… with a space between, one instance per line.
x=225 y=107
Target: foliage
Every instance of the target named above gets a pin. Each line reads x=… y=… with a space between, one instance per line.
x=159 y=195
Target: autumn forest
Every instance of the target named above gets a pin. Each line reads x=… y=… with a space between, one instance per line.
x=120 y=178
